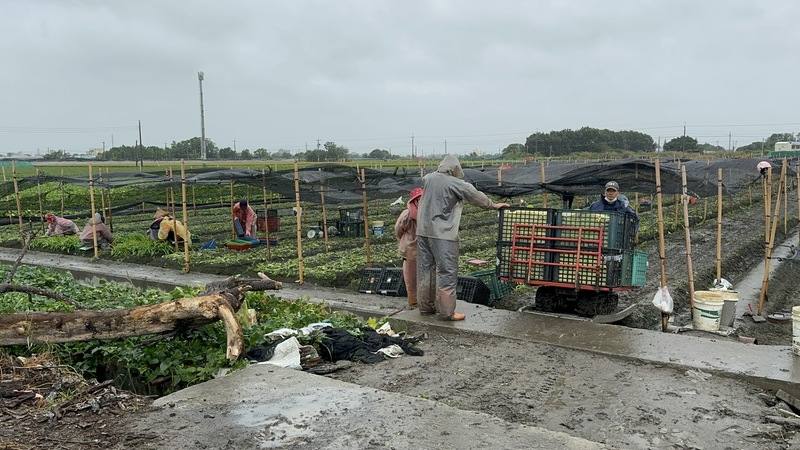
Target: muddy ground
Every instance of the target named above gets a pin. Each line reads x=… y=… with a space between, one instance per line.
x=783 y=294
x=743 y=249
x=623 y=404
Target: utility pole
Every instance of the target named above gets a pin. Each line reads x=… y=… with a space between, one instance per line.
x=445 y=146
x=112 y=140
x=730 y=146
x=413 y=149
x=234 y=145
x=317 y=144
x=683 y=142
x=104 y=147
x=202 y=119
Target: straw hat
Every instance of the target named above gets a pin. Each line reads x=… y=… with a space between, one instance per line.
x=159 y=214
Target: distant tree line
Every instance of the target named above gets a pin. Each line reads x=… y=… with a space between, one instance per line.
x=187 y=149
x=586 y=139
x=769 y=144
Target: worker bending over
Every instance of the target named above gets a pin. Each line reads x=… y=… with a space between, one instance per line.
x=59 y=226
x=96 y=226
x=164 y=228
x=244 y=220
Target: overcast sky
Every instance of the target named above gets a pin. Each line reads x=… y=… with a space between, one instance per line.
x=367 y=74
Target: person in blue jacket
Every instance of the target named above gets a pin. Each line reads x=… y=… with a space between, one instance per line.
x=612 y=200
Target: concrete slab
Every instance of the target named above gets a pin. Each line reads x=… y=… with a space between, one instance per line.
x=264 y=406
x=769 y=366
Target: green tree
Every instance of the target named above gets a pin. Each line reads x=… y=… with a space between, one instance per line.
x=335 y=152
x=681 y=144
x=379 y=154
x=282 y=154
x=245 y=154
x=261 y=153
x=514 y=150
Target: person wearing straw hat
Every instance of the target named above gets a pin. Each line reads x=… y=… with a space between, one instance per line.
x=405 y=230
x=60 y=226
x=438 y=219
x=164 y=228
x=96 y=226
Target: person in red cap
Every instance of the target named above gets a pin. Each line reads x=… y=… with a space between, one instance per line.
x=59 y=226
x=405 y=230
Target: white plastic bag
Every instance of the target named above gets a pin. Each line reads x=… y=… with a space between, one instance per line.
x=722 y=285
x=287 y=354
x=662 y=300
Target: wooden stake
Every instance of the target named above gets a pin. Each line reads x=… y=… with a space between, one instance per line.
x=186 y=260
x=690 y=269
x=172 y=205
x=61 y=185
x=324 y=215
x=797 y=192
x=19 y=204
x=39 y=195
x=770 y=243
x=266 y=211
x=767 y=199
x=662 y=254
x=233 y=202
x=542 y=181
x=636 y=200
x=785 y=204
x=719 y=224
x=110 y=211
x=102 y=195
x=94 y=225
x=299 y=224
x=367 y=248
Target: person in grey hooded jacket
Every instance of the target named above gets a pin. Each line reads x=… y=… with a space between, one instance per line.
x=438 y=219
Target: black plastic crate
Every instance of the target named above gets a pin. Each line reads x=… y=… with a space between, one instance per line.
x=351 y=215
x=350 y=229
x=523 y=216
x=619 y=229
x=497 y=287
x=392 y=282
x=473 y=290
x=370 y=280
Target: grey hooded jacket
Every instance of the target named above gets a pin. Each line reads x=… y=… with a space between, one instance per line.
x=439 y=213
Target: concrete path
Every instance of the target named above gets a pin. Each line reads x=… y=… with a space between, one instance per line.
x=264 y=406
x=770 y=367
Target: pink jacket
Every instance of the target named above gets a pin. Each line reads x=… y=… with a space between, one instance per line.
x=250 y=218
x=62 y=226
x=102 y=232
x=405 y=230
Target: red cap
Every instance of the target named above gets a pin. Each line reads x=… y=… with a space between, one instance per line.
x=415 y=194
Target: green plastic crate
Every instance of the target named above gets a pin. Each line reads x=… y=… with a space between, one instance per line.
x=498 y=288
x=634 y=268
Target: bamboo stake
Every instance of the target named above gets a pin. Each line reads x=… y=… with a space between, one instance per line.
x=367 y=248
x=690 y=269
x=19 y=204
x=762 y=297
x=542 y=181
x=186 y=260
x=233 y=225
x=662 y=255
x=39 y=195
x=172 y=205
x=785 y=204
x=299 y=224
x=108 y=202
x=266 y=211
x=797 y=192
x=92 y=221
x=324 y=215
x=499 y=177
x=767 y=199
x=61 y=190
x=636 y=200
x=102 y=196
x=719 y=225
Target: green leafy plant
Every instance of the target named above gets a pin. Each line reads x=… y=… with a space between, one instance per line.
x=139 y=246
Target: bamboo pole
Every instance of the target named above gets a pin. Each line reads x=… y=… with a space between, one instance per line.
x=102 y=195
x=762 y=297
x=636 y=200
x=719 y=225
x=690 y=269
x=39 y=195
x=61 y=190
x=785 y=204
x=91 y=220
x=172 y=206
x=19 y=204
x=767 y=199
x=108 y=202
x=499 y=177
x=367 y=247
x=324 y=215
x=662 y=255
x=266 y=211
x=299 y=224
x=233 y=203
x=186 y=260
x=797 y=192
x=542 y=181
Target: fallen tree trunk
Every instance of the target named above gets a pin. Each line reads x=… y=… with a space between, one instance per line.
x=25 y=328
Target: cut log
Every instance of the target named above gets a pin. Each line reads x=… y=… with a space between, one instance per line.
x=25 y=328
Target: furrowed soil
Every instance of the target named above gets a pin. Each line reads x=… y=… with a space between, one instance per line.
x=620 y=403
x=783 y=294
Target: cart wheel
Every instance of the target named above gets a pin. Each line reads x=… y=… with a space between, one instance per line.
x=546 y=299
x=596 y=303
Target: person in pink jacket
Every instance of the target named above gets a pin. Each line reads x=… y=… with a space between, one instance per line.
x=405 y=229
x=96 y=225
x=244 y=220
x=59 y=226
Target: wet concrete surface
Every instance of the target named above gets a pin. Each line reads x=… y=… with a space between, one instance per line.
x=264 y=406
x=768 y=366
x=749 y=287
x=772 y=367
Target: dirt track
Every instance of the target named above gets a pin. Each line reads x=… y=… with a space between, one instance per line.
x=624 y=404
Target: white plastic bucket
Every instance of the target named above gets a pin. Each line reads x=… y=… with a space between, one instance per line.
x=796 y=330
x=729 y=308
x=707 y=310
